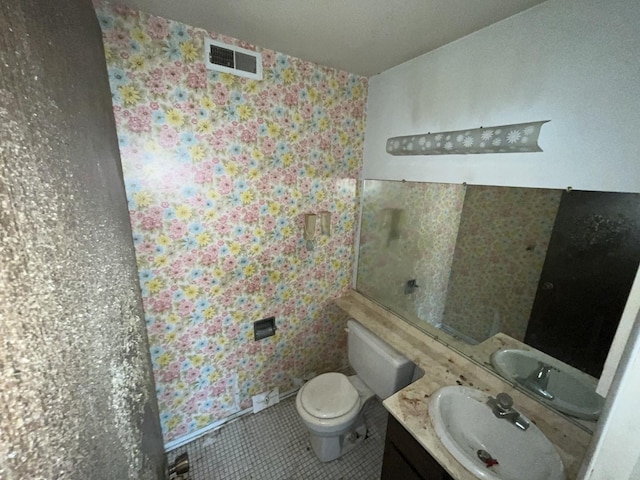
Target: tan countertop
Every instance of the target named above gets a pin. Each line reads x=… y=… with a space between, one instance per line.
x=443 y=366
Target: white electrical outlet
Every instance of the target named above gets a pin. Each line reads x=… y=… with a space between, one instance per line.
x=264 y=400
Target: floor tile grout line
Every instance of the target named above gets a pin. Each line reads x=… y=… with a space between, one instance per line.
x=274 y=445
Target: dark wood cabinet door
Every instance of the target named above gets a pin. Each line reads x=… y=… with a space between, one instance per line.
x=406 y=459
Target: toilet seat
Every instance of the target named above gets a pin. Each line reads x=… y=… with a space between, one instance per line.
x=329 y=396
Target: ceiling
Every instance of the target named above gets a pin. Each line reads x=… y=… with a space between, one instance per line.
x=360 y=36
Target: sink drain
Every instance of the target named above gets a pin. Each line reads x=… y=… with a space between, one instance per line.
x=486 y=458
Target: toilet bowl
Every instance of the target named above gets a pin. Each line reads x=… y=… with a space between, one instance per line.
x=330 y=402
x=331 y=405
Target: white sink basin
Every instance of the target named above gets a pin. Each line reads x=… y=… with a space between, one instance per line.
x=466 y=424
x=573 y=391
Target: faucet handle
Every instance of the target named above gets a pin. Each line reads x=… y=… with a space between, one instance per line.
x=501 y=407
x=543 y=370
x=504 y=401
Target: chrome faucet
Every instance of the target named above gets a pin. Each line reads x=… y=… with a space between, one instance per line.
x=538 y=380
x=502 y=407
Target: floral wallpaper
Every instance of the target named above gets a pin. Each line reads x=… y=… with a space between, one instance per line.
x=408 y=232
x=219 y=171
x=476 y=253
x=502 y=243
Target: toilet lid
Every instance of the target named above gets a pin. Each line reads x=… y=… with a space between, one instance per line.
x=329 y=395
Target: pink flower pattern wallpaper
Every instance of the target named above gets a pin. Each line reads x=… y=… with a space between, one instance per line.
x=461 y=244
x=501 y=247
x=409 y=231
x=219 y=172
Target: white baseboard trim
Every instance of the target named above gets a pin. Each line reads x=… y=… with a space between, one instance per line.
x=179 y=442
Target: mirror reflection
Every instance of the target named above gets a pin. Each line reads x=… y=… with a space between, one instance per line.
x=486 y=268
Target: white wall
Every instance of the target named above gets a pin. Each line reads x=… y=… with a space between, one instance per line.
x=624 y=332
x=574 y=62
x=615 y=449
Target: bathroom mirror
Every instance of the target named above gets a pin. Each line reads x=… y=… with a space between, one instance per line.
x=484 y=267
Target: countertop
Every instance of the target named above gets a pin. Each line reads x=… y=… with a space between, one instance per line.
x=444 y=366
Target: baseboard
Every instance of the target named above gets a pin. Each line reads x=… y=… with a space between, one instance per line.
x=179 y=442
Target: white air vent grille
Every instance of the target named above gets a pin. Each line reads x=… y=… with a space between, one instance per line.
x=231 y=59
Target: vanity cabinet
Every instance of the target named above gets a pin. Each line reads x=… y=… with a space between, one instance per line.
x=404 y=458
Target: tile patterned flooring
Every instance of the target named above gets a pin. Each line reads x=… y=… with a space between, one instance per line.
x=274 y=445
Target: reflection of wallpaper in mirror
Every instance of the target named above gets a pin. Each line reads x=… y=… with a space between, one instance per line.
x=503 y=238
x=408 y=232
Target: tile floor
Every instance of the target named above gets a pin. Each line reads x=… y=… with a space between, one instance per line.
x=274 y=445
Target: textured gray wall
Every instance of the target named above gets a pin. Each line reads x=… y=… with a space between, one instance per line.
x=77 y=397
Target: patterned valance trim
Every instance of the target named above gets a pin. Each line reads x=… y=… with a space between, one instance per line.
x=518 y=137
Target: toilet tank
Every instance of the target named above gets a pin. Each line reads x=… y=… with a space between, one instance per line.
x=380 y=367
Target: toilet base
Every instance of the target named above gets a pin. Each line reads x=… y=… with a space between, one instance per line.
x=330 y=448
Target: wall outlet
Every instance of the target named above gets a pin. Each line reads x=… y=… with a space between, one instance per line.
x=265 y=399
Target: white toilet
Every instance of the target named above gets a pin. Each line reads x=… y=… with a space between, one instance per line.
x=331 y=404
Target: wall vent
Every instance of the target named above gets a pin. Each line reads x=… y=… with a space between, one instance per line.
x=227 y=58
